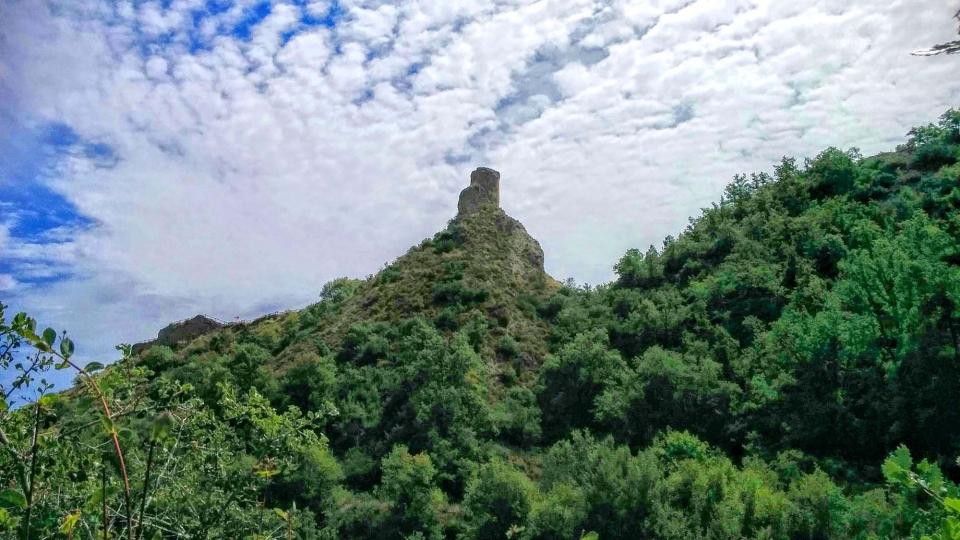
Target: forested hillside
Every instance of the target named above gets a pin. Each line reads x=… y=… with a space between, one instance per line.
x=786 y=367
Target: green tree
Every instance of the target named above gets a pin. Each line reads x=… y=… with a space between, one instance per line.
x=498 y=500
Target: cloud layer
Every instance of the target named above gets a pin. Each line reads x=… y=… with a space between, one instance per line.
x=229 y=157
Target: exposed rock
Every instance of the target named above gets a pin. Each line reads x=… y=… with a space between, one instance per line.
x=485 y=226
x=523 y=242
x=179 y=332
x=483 y=192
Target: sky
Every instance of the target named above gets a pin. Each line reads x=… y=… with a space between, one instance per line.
x=161 y=159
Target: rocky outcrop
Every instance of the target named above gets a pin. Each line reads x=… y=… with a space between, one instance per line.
x=487 y=227
x=179 y=332
x=521 y=241
x=483 y=192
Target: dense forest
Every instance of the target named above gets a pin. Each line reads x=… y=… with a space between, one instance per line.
x=786 y=367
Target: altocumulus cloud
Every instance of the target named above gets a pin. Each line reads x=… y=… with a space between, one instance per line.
x=160 y=159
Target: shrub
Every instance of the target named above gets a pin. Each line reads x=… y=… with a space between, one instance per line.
x=498 y=498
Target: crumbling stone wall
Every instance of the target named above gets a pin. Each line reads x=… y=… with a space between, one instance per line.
x=483 y=192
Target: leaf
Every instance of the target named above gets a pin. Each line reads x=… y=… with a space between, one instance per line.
x=590 y=536
x=93 y=366
x=126 y=434
x=10 y=498
x=107 y=423
x=952 y=504
x=266 y=473
x=66 y=347
x=897 y=464
x=49 y=336
x=70 y=522
x=48 y=401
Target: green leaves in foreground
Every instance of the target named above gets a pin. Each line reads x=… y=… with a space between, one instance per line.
x=93 y=366
x=49 y=336
x=66 y=347
x=11 y=498
x=896 y=468
x=70 y=522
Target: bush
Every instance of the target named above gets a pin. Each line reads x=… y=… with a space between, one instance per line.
x=447 y=319
x=409 y=486
x=559 y=515
x=310 y=383
x=935 y=154
x=159 y=358
x=517 y=416
x=498 y=499
x=248 y=366
x=389 y=274
x=833 y=172
x=507 y=348
x=365 y=343
x=456 y=293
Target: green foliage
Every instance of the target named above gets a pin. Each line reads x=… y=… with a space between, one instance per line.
x=833 y=173
x=497 y=501
x=664 y=389
x=573 y=379
x=309 y=384
x=456 y=293
x=409 y=484
x=517 y=417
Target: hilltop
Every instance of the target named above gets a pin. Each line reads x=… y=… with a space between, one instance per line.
x=483 y=271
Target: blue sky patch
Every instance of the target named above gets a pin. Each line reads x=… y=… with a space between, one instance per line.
x=252 y=17
x=34 y=212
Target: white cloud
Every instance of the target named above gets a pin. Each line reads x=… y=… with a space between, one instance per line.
x=373 y=26
x=156 y=67
x=4 y=234
x=155 y=20
x=7 y=283
x=248 y=173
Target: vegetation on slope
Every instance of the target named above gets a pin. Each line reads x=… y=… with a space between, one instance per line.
x=759 y=376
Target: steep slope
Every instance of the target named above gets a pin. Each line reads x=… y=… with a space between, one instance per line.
x=483 y=266
x=482 y=275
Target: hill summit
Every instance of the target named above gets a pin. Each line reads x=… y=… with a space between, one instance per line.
x=482 y=269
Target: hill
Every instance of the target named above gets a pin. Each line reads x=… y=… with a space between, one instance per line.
x=762 y=375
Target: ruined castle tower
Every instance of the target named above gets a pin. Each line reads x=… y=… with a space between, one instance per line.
x=483 y=192
x=479 y=214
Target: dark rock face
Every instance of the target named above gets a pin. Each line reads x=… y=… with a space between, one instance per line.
x=483 y=192
x=180 y=331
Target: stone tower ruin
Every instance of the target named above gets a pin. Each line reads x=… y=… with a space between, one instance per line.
x=483 y=192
